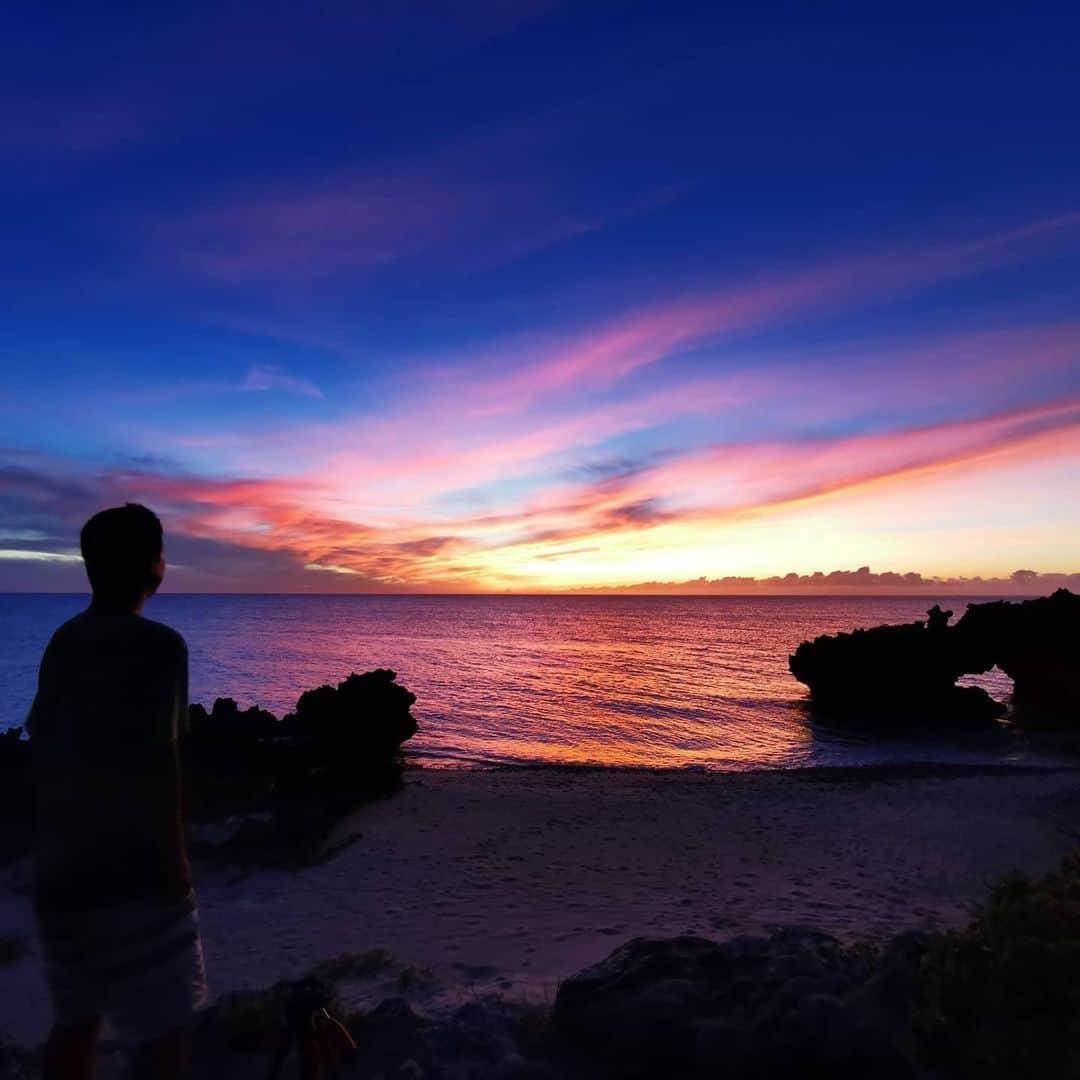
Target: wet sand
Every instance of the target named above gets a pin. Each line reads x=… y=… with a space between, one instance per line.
x=510 y=880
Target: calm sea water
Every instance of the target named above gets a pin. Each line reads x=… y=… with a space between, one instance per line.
x=659 y=681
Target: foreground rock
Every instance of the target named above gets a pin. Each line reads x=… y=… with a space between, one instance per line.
x=793 y=1004
x=911 y=670
x=486 y=1039
x=996 y=1000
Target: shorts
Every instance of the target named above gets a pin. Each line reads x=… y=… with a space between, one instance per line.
x=138 y=965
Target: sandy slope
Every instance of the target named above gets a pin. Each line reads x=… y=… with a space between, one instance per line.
x=513 y=879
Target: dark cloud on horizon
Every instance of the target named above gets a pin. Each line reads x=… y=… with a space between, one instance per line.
x=849 y=582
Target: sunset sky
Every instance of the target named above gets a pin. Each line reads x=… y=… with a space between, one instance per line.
x=541 y=296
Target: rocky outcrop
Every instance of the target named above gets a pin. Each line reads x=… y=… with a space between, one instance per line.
x=1037 y=644
x=796 y=1003
x=911 y=670
x=365 y=717
x=259 y=790
x=280 y=787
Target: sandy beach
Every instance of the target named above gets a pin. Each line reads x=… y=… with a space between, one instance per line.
x=510 y=880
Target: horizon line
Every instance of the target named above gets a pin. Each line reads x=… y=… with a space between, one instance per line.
x=582 y=594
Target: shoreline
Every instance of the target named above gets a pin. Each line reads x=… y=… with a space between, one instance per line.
x=507 y=880
x=883 y=771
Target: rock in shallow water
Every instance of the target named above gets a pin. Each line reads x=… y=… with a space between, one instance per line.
x=908 y=673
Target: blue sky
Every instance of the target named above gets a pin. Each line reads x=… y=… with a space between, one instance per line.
x=542 y=295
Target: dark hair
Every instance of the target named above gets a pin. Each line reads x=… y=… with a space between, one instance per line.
x=120 y=547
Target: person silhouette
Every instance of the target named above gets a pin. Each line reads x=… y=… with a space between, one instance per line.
x=113 y=896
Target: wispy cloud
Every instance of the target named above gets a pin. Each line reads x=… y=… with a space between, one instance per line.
x=607 y=353
x=25 y=555
x=264 y=377
x=358 y=225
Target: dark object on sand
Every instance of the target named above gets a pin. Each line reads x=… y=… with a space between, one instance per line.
x=912 y=669
x=322 y=1042
x=282 y=785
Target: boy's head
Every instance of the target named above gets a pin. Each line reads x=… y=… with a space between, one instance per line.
x=124 y=554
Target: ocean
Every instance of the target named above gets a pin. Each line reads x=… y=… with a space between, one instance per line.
x=684 y=682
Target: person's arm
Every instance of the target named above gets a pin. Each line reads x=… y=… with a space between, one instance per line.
x=181 y=716
x=181 y=727
x=161 y=798
x=37 y=719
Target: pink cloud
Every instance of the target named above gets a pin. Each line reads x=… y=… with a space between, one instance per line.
x=380 y=461
x=723 y=479
x=708 y=486
x=606 y=353
x=477 y=200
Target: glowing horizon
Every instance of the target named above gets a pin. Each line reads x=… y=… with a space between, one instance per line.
x=510 y=334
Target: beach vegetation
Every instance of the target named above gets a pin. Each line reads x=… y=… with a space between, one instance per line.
x=1001 y=997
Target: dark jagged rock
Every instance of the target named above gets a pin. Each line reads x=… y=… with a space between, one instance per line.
x=284 y=784
x=891 y=670
x=226 y=723
x=16 y=796
x=911 y=669
x=365 y=716
x=784 y=1005
x=258 y=790
x=229 y=760
x=1037 y=644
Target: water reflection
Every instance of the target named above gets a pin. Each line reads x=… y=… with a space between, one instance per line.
x=653 y=681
